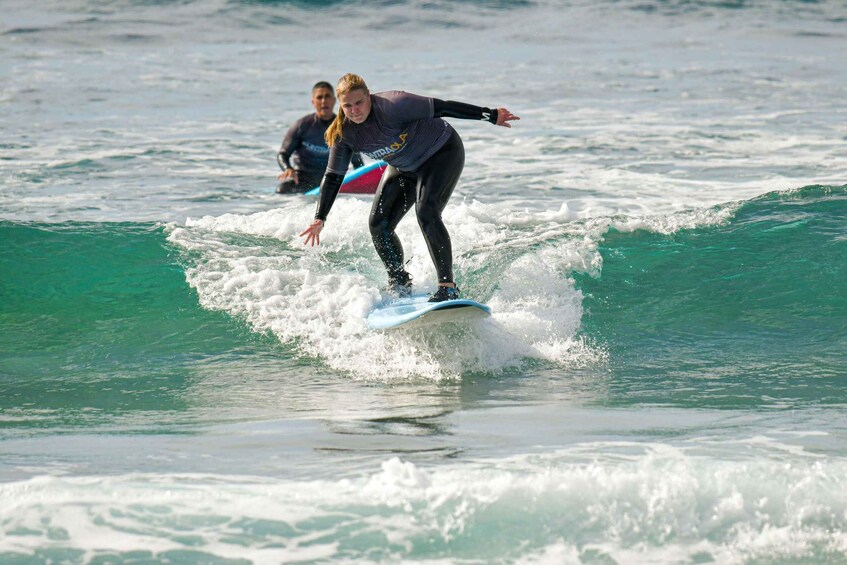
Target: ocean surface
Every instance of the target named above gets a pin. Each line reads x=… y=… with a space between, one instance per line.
x=662 y=239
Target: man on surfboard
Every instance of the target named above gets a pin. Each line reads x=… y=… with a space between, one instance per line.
x=425 y=158
x=303 y=155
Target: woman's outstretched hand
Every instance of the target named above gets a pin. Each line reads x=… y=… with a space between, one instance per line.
x=504 y=117
x=313 y=233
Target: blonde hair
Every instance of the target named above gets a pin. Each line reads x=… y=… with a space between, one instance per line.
x=346 y=84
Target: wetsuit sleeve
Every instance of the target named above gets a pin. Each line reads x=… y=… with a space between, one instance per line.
x=330 y=186
x=340 y=156
x=283 y=161
x=357 y=160
x=289 y=144
x=451 y=109
x=339 y=160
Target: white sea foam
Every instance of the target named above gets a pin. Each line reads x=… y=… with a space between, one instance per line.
x=628 y=502
x=521 y=262
x=318 y=297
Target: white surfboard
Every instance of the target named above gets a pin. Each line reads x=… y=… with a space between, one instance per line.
x=417 y=310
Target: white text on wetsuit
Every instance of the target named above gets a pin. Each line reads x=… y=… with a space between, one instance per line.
x=385 y=151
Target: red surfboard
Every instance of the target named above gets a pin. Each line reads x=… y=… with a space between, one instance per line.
x=363 y=180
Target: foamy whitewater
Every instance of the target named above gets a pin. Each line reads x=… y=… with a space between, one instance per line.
x=662 y=239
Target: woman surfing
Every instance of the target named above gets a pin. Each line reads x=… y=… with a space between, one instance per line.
x=425 y=157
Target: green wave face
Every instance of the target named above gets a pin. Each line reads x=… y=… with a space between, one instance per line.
x=758 y=304
x=98 y=316
x=750 y=311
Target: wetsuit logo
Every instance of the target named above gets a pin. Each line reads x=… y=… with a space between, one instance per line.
x=314 y=148
x=391 y=149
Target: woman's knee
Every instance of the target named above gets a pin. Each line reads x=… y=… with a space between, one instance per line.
x=379 y=226
x=429 y=217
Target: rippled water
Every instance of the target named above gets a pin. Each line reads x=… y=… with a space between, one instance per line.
x=661 y=239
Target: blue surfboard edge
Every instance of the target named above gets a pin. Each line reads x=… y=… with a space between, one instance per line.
x=351 y=176
x=394 y=314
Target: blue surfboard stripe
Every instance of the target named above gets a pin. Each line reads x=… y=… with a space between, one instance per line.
x=351 y=176
x=403 y=311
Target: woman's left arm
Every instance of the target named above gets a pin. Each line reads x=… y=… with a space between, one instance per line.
x=452 y=109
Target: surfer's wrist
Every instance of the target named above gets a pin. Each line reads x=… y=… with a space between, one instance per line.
x=282 y=161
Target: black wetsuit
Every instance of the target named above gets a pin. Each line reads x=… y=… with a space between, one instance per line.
x=425 y=156
x=305 y=150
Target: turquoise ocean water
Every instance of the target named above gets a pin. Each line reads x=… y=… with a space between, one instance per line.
x=662 y=239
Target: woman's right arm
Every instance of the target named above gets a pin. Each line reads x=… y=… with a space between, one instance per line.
x=330 y=185
x=339 y=160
